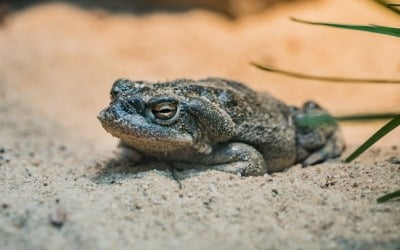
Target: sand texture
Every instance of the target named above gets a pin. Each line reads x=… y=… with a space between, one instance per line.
x=65 y=185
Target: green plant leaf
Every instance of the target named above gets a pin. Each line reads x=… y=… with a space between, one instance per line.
x=365 y=117
x=324 y=78
x=388 y=196
x=319 y=119
x=392 y=124
x=369 y=28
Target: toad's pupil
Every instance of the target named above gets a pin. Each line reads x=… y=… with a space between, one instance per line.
x=165 y=111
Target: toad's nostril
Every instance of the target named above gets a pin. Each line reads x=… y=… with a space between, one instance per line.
x=134 y=105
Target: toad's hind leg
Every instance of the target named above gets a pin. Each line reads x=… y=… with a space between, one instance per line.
x=237 y=158
x=332 y=149
x=316 y=141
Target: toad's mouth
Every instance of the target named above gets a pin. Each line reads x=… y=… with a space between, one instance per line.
x=131 y=127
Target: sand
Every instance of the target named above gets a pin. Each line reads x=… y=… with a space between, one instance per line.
x=65 y=185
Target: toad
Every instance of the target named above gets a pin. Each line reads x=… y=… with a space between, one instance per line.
x=218 y=123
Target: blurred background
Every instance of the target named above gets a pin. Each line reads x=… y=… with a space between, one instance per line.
x=61 y=57
x=230 y=8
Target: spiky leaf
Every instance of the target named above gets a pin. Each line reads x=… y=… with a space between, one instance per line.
x=391 y=31
x=323 y=78
x=392 y=124
x=388 y=196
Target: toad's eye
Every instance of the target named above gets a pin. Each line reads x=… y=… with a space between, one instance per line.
x=164 y=110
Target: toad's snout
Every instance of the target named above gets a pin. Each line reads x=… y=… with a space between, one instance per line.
x=123 y=107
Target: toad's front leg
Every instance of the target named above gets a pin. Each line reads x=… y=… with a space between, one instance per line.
x=237 y=158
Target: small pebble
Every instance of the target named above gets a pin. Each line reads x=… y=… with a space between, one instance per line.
x=58 y=217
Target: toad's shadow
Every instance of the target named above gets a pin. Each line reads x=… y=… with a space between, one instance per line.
x=123 y=165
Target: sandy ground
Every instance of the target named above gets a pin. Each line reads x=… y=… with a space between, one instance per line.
x=58 y=166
